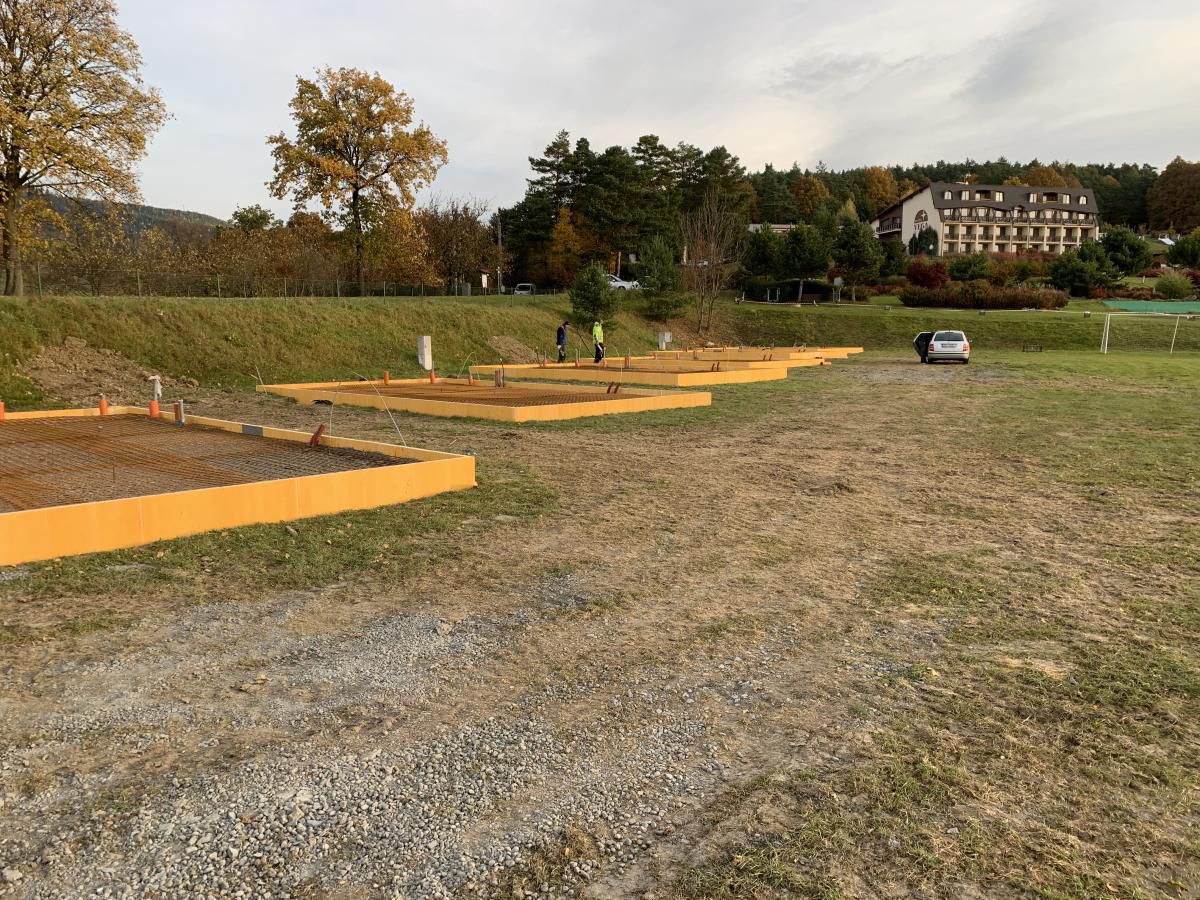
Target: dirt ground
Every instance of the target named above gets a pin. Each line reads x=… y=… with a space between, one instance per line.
x=78 y=373
x=726 y=649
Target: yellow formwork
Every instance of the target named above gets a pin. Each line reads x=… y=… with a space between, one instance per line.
x=50 y=532
x=630 y=400
x=649 y=372
x=763 y=354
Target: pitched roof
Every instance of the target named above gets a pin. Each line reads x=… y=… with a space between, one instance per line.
x=1015 y=195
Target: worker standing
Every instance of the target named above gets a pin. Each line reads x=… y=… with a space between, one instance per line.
x=598 y=337
x=561 y=340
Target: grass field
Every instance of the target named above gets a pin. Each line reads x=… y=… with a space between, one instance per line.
x=877 y=629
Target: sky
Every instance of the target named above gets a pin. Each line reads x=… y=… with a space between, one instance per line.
x=847 y=82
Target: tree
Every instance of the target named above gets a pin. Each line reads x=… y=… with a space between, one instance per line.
x=592 y=299
x=881 y=188
x=95 y=244
x=254 y=218
x=856 y=253
x=712 y=234
x=1081 y=271
x=354 y=152
x=75 y=116
x=804 y=253
x=1186 y=252
x=895 y=260
x=659 y=279
x=761 y=253
x=809 y=192
x=460 y=244
x=1043 y=176
x=923 y=243
x=1174 y=200
x=1126 y=250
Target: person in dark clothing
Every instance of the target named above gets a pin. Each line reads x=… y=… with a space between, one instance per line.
x=561 y=340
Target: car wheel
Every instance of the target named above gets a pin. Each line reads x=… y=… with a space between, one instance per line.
x=967 y=360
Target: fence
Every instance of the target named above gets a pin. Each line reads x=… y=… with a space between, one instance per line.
x=99 y=282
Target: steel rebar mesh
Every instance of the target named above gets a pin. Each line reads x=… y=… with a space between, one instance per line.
x=510 y=395
x=56 y=461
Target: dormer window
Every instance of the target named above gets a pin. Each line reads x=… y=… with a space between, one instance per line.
x=964 y=195
x=1066 y=198
x=999 y=196
x=946 y=195
x=1033 y=198
x=1083 y=201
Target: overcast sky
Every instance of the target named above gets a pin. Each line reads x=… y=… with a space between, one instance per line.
x=850 y=82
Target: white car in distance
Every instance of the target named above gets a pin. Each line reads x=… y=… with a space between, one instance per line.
x=948 y=345
x=618 y=285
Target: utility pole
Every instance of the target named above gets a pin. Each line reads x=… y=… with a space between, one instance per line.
x=500 y=256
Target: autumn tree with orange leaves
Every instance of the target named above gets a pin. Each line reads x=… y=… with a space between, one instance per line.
x=354 y=153
x=75 y=116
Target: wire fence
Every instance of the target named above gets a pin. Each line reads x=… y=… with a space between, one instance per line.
x=103 y=282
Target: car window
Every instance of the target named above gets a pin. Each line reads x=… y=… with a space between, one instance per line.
x=949 y=336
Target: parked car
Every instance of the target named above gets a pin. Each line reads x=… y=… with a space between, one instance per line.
x=523 y=290
x=934 y=345
x=618 y=285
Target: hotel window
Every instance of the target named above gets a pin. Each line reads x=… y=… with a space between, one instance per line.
x=1033 y=198
x=1083 y=201
x=946 y=195
x=964 y=195
x=1066 y=198
x=999 y=196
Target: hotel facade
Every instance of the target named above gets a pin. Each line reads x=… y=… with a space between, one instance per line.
x=992 y=218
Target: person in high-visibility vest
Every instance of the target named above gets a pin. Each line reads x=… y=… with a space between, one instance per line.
x=598 y=337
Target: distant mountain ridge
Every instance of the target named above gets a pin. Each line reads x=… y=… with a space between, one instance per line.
x=142 y=217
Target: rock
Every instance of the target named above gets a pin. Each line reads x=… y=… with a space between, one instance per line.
x=504 y=517
x=12 y=876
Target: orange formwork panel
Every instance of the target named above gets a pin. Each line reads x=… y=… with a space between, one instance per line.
x=70 y=486
x=649 y=372
x=482 y=400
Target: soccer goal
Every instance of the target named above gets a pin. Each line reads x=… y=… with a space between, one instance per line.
x=1150 y=331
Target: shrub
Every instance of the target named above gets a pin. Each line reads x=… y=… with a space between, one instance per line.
x=927 y=273
x=592 y=298
x=1193 y=275
x=1150 y=273
x=1080 y=272
x=1128 y=252
x=1175 y=287
x=969 y=267
x=893 y=281
x=1186 y=251
x=979 y=294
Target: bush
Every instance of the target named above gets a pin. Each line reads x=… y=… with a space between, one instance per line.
x=927 y=273
x=592 y=298
x=1150 y=273
x=788 y=289
x=1186 y=251
x=1128 y=252
x=893 y=281
x=969 y=267
x=979 y=294
x=1080 y=272
x=1193 y=275
x=1175 y=287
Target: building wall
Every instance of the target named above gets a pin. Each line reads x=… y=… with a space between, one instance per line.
x=922 y=201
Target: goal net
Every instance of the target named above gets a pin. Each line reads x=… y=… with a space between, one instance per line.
x=1150 y=332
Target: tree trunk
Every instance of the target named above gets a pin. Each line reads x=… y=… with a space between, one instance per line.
x=359 y=274
x=14 y=282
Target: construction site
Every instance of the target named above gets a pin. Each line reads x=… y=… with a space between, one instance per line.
x=672 y=625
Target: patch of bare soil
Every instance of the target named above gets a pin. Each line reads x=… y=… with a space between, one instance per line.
x=78 y=373
x=511 y=350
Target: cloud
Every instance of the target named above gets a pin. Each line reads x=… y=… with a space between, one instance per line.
x=775 y=81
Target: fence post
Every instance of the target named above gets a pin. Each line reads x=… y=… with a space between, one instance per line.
x=39 y=283
x=139 y=281
x=285 y=285
x=218 y=285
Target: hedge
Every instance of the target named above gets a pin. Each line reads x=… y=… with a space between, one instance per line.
x=981 y=295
